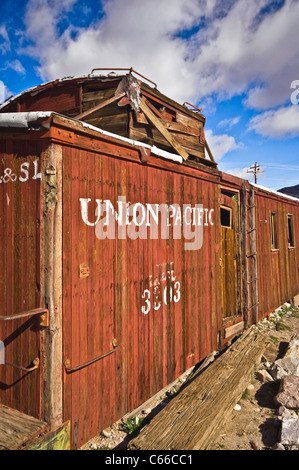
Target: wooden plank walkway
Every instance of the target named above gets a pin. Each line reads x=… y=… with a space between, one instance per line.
x=194 y=418
x=17 y=428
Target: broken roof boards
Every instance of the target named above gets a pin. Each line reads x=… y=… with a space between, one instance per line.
x=123 y=105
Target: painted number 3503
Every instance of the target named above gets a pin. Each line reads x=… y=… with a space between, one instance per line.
x=160 y=295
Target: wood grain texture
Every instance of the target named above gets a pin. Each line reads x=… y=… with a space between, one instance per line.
x=156 y=347
x=20 y=216
x=16 y=428
x=163 y=130
x=192 y=420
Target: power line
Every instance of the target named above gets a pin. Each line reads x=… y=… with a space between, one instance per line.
x=255 y=169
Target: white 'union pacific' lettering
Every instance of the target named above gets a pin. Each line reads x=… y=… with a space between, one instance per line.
x=143 y=221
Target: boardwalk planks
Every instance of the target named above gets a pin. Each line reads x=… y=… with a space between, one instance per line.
x=192 y=420
x=16 y=428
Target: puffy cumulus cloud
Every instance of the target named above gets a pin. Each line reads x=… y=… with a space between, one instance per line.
x=131 y=33
x=279 y=123
x=253 y=50
x=221 y=144
x=193 y=49
x=41 y=21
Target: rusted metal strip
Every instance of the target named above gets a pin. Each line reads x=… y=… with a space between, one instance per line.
x=25 y=369
x=253 y=445
x=85 y=364
x=195 y=107
x=130 y=70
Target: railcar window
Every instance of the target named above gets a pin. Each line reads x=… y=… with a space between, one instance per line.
x=273 y=219
x=290 y=231
x=226 y=217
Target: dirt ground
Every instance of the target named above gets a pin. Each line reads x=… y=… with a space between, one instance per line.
x=255 y=425
x=252 y=425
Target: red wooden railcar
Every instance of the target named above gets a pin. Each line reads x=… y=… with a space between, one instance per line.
x=132 y=262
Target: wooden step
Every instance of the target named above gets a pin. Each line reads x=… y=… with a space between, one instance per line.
x=192 y=420
x=17 y=428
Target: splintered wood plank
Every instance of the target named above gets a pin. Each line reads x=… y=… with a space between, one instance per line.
x=16 y=428
x=100 y=105
x=209 y=152
x=193 y=419
x=162 y=129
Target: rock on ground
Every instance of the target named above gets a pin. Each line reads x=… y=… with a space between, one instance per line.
x=288 y=394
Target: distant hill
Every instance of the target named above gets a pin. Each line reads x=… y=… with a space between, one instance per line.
x=291 y=190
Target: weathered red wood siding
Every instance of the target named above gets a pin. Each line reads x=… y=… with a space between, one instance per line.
x=107 y=310
x=278 y=275
x=48 y=99
x=154 y=348
x=20 y=203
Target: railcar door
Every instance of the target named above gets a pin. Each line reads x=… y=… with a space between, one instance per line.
x=230 y=258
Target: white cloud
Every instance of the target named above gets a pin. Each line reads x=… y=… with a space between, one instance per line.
x=15 y=65
x=41 y=20
x=230 y=122
x=4 y=92
x=4 y=40
x=241 y=173
x=131 y=34
x=244 y=54
x=221 y=144
x=241 y=47
x=283 y=122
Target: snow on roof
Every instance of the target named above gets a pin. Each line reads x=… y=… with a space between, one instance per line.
x=24 y=119
x=277 y=193
x=154 y=150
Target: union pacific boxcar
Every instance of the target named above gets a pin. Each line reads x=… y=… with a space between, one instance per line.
x=126 y=255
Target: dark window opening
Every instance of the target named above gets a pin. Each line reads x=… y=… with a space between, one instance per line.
x=226 y=217
x=290 y=231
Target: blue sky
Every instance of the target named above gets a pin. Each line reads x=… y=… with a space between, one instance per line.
x=237 y=59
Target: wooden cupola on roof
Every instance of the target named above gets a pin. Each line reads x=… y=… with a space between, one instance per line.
x=123 y=105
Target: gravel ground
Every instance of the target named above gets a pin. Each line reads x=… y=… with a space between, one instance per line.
x=253 y=422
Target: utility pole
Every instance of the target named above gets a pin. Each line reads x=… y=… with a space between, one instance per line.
x=255 y=169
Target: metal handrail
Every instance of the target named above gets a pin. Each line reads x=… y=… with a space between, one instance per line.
x=85 y=364
x=26 y=369
x=130 y=70
x=15 y=316
x=195 y=107
x=28 y=313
